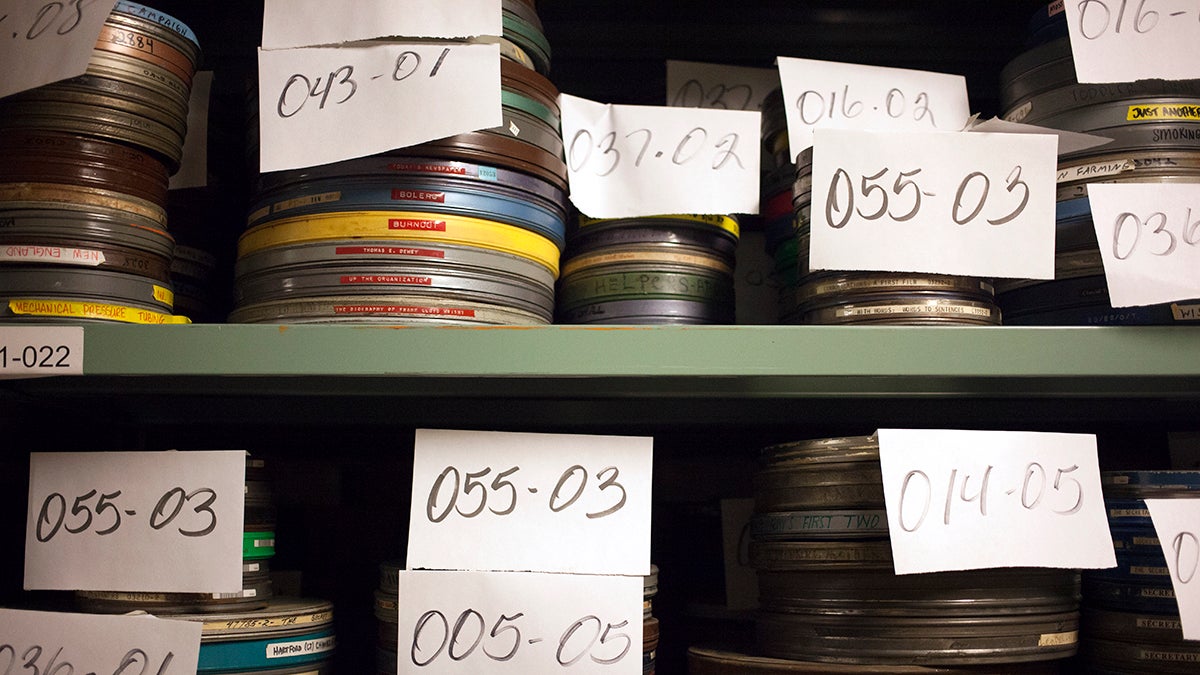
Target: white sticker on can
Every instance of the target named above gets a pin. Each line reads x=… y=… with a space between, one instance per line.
x=283 y=650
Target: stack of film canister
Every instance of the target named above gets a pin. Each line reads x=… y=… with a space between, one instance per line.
x=830 y=601
x=251 y=632
x=465 y=230
x=387 y=615
x=780 y=225
x=83 y=188
x=671 y=269
x=892 y=298
x=1130 y=617
x=1155 y=130
x=649 y=622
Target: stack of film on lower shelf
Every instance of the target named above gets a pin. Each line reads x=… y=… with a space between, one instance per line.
x=83 y=188
x=246 y=631
x=830 y=601
x=810 y=296
x=650 y=625
x=1155 y=134
x=463 y=230
x=673 y=269
x=1130 y=618
x=387 y=615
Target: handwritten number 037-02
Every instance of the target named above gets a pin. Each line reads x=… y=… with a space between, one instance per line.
x=406 y=65
x=691 y=146
x=975 y=188
x=561 y=498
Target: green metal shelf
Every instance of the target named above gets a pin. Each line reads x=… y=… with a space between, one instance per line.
x=755 y=375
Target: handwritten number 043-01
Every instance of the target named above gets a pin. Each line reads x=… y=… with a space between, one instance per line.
x=905 y=186
x=561 y=497
x=406 y=65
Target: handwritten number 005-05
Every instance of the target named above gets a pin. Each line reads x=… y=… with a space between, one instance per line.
x=471 y=620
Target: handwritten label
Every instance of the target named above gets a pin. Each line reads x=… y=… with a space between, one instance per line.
x=43 y=42
x=135 y=521
x=537 y=502
x=472 y=622
x=193 y=171
x=1069 y=142
x=1149 y=235
x=40 y=351
x=947 y=203
x=959 y=500
x=305 y=23
x=1127 y=40
x=60 y=643
x=626 y=161
x=326 y=104
x=825 y=94
x=691 y=84
x=1177 y=522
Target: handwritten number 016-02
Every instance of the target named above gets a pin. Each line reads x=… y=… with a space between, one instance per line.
x=500 y=483
x=31 y=656
x=1144 y=20
x=406 y=65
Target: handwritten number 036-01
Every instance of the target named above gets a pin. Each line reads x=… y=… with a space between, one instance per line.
x=561 y=498
x=691 y=146
x=870 y=200
x=406 y=65
x=30 y=657
x=1189 y=233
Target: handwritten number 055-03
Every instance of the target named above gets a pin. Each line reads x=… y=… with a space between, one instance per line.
x=560 y=498
x=54 y=512
x=974 y=188
x=406 y=65
x=30 y=657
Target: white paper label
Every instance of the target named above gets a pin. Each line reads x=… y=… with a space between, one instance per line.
x=193 y=170
x=972 y=204
x=960 y=500
x=135 y=521
x=1177 y=522
x=1123 y=41
x=306 y=23
x=530 y=502
x=625 y=161
x=60 y=642
x=43 y=42
x=691 y=84
x=294 y=648
x=40 y=351
x=481 y=622
x=325 y=104
x=1149 y=235
x=51 y=254
x=1069 y=142
x=825 y=94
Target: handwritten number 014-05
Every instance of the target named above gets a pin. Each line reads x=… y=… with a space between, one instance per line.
x=559 y=499
x=1031 y=493
x=906 y=188
x=406 y=65
x=691 y=146
x=30 y=657
x=54 y=511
